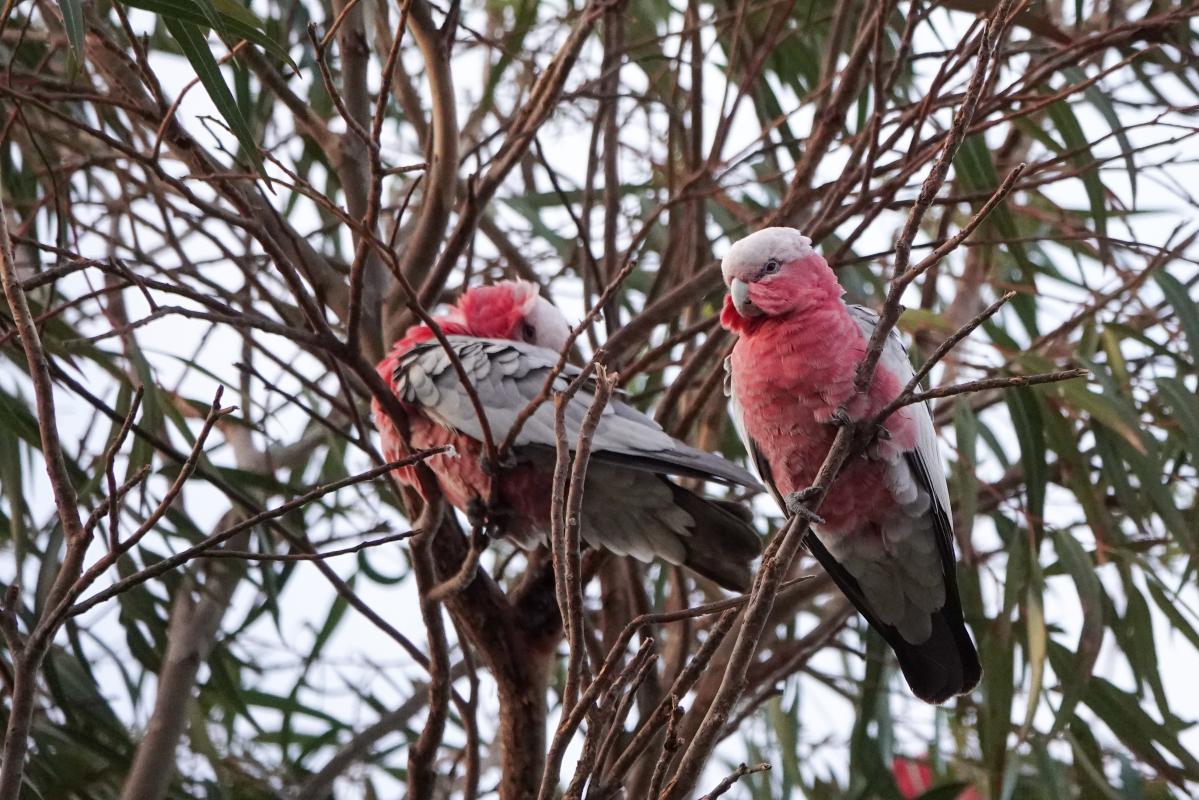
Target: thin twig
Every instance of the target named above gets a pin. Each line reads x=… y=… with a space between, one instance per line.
x=995 y=26
x=248 y=555
x=669 y=747
x=61 y=609
x=422 y=754
x=26 y=667
x=109 y=460
x=732 y=778
x=574 y=716
x=985 y=384
x=669 y=704
x=567 y=543
x=167 y=564
x=466 y=573
x=114 y=498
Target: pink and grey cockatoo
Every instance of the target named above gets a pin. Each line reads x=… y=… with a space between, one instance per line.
x=886 y=537
x=508 y=339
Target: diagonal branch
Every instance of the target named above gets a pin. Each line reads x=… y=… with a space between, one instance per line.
x=991 y=35
x=28 y=660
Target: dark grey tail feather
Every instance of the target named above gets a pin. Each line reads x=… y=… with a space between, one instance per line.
x=941 y=667
x=737 y=509
x=944 y=665
x=689 y=463
x=722 y=545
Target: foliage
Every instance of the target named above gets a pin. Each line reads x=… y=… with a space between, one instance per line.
x=203 y=194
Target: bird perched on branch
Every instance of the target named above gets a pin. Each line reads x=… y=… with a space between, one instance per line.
x=885 y=533
x=508 y=340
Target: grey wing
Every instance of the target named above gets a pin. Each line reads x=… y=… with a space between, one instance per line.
x=926 y=457
x=507 y=375
x=761 y=466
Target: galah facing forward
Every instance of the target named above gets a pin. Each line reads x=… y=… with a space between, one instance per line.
x=508 y=339
x=886 y=537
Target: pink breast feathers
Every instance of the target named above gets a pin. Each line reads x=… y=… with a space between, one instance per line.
x=778 y=368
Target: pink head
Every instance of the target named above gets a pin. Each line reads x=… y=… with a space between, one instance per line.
x=506 y=310
x=512 y=310
x=773 y=273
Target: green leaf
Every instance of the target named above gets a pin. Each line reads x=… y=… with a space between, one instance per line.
x=1101 y=408
x=976 y=172
x=1025 y=410
x=786 y=725
x=227 y=17
x=1138 y=624
x=1103 y=105
x=1186 y=308
x=995 y=712
x=965 y=424
x=336 y=613
x=1076 y=677
x=1050 y=771
x=1139 y=732
x=1109 y=447
x=1131 y=784
x=11 y=483
x=1081 y=156
x=72 y=20
x=263 y=699
x=1088 y=762
x=869 y=744
x=194 y=44
x=1169 y=606
x=1186 y=409
x=1149 y=471
x=1034 y=622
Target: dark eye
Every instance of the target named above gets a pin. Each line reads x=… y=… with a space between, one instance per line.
x=772 y=266
x=528 y=332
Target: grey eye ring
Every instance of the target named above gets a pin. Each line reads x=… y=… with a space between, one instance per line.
x=772 y=266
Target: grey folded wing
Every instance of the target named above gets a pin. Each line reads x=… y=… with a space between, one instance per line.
x=507 y=375
x=925 y=458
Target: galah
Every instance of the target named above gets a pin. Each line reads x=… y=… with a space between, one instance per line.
x=508 y=339
x=884 y=531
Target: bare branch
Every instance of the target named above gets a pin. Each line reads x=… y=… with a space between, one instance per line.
x=733 y=777
x=992 y=32
x=167 y=564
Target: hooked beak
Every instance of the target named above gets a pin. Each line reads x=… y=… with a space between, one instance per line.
x=739 y=290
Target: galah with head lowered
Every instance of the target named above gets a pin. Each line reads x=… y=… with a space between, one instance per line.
x=508 y=340
x=886 y=536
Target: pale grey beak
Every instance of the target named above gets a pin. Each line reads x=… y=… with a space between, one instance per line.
x=739 y=290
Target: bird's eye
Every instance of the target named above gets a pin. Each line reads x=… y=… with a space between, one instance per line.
x=772 y=266
x=528 y=332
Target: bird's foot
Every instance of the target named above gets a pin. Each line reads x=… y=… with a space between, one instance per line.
x=869 y=436
x=492 y=469
x=840 y=418
x=480 y=537
x=486 y=517
x=796 y=504
x=865 y=436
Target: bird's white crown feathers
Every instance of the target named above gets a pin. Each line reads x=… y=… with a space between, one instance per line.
x=784 y=244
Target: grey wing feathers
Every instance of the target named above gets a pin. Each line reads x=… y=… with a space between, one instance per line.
x=751 y=447
x=507 y=375
x=895 y=359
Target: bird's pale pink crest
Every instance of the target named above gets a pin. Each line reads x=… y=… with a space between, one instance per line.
x=497 y=311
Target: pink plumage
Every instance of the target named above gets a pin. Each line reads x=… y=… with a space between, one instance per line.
x=508 y=338
x=886 y=535
x=780 y=367
x=490 y=312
